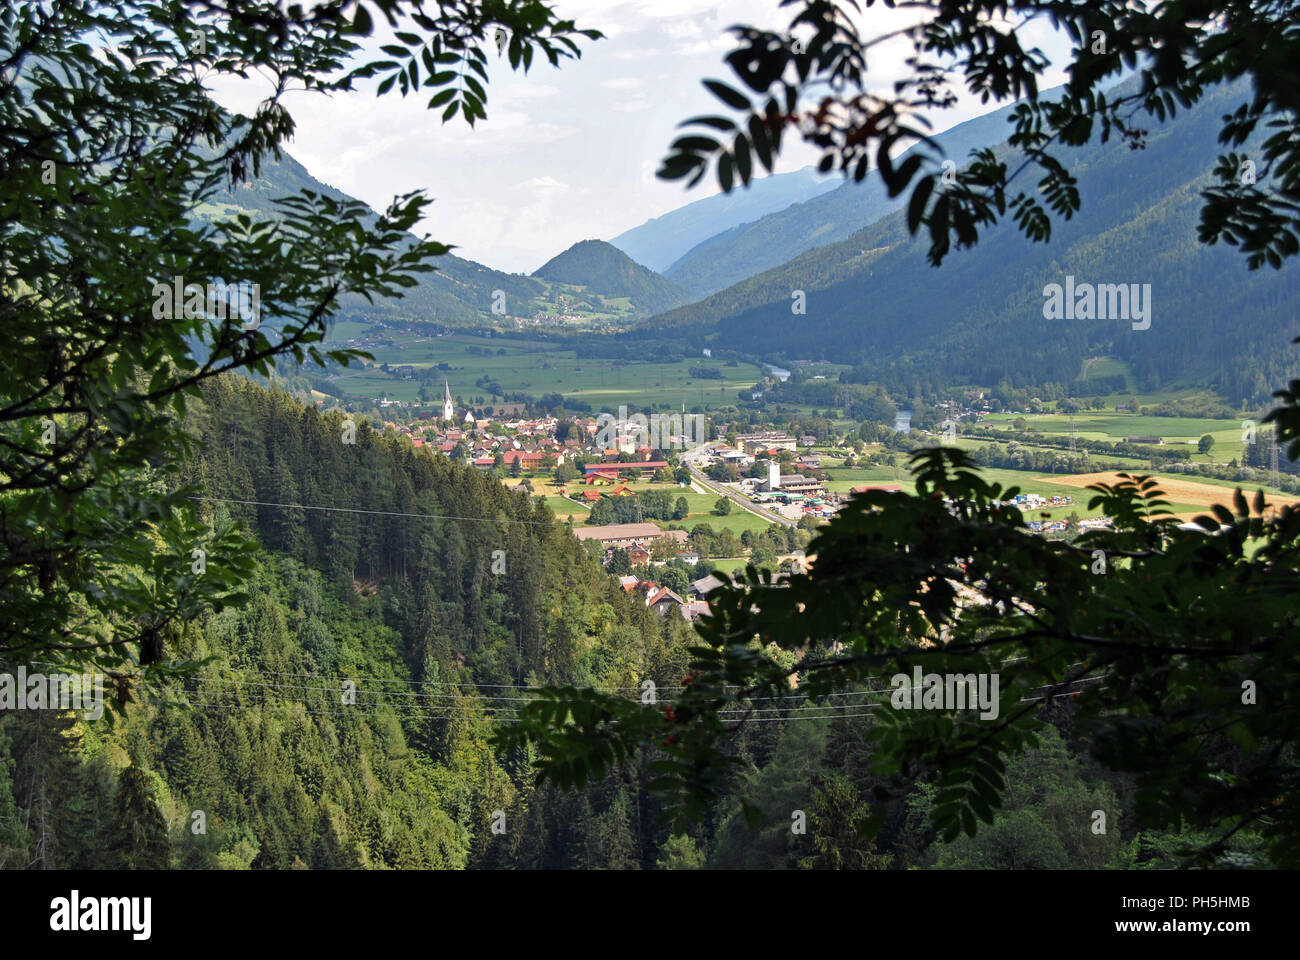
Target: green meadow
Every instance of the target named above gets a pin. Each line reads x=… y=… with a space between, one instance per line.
x=536 y=367
x=1115 y=427
x=699 y=504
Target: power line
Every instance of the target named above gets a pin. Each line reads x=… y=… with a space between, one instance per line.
x=378 y=513
x=510 y=714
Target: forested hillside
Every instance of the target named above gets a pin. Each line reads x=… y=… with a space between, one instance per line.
x=260 y=739
x=743 y=250
x=260 y=748
x=872 y=299
x=607 y=270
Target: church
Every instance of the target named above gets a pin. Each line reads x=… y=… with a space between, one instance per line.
x=449 y=409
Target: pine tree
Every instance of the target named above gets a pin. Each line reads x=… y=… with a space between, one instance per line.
x=137 y=836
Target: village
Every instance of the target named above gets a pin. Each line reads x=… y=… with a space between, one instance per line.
x=602 y=475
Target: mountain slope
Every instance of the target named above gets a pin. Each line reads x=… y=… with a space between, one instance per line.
x=873 y=301
x=660 y=242
x=608 y=271
x=458 y=293
x=745 y=250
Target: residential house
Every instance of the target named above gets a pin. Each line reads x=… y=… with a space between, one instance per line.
x=696 y=609
x=663 y=600
x=702 y=587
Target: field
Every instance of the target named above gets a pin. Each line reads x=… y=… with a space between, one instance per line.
x=1097 y=367
x=1031 y=482
x=700 y=505
x=1188 y=498
x=1115 y=427
x=535 y=367
x=966 y=443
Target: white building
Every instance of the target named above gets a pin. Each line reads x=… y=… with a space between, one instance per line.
x=448 y=411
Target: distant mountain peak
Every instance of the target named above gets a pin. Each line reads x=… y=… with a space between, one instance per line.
x=606 y=270
x=663 y=240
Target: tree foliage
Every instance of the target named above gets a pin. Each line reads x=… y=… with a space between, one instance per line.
x=1178 y=50
x=110 y=146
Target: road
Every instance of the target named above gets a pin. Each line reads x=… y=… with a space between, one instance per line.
x=732 y=495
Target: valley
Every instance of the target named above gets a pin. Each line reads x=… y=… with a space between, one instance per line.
x=590 y=476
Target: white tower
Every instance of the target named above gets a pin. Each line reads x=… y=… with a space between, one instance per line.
x=773 y=475
x=448 y=411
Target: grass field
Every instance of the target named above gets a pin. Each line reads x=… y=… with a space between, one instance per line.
x=699 y=504
x=535 y=367
x=965 y=443
x=1116 y=427
x=1097 y=367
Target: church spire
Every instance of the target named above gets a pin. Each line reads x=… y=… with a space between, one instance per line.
x=448 y=410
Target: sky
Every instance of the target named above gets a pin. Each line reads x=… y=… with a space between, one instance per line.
x=566 y=154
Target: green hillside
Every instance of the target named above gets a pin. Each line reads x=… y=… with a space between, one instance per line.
x=610 y=272
x=741 y=251
x=406 y=605
x=871 y=300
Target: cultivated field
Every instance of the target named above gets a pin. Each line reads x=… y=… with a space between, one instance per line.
x=1180 y=491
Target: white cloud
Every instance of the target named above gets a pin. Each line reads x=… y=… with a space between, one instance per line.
x=525 y=91
x=565 y=154
x=549 y=183
x=637 y=105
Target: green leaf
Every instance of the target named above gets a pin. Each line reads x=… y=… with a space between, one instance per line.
x=718 y=123
x=695 y=144
x=362 y=25
x=725 y=172
x=916 y=206
x=743 y=162
x=730 y=97
x=758 y=137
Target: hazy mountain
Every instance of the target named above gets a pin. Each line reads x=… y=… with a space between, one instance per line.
x=604 y=269
x=873 y=301
x=660 y=242
x=731 y=255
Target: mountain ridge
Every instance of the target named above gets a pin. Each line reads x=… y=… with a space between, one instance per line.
x=739 y=252
x=606 y=270
x=873 y=302
x=663 y=240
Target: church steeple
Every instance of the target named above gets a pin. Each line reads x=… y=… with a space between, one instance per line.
x=448 y=410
